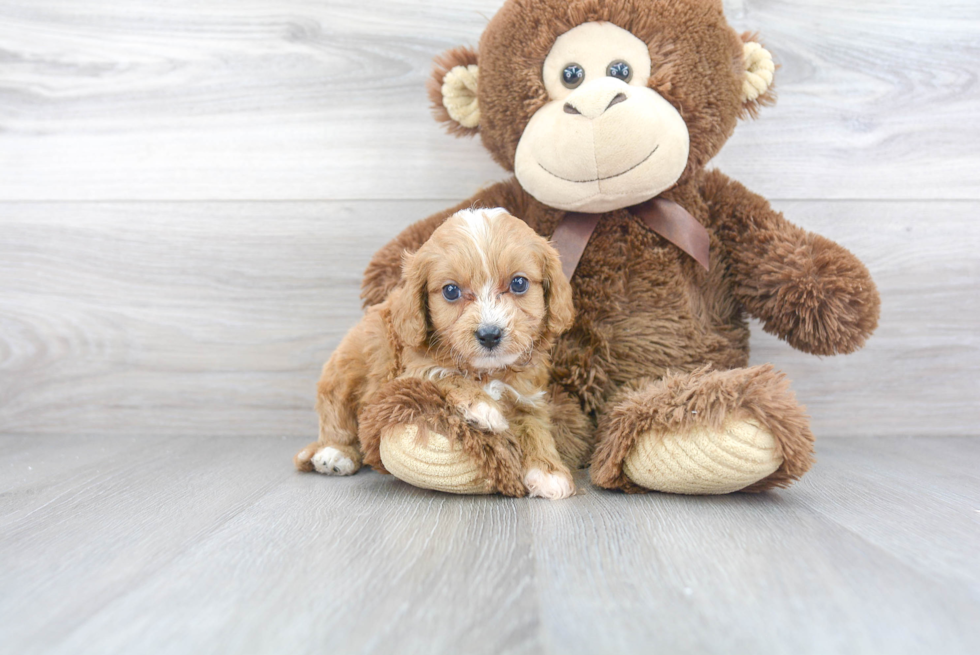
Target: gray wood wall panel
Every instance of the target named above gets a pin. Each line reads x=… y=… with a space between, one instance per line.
x=307 y=99
x=214 y=318
x=189 y=192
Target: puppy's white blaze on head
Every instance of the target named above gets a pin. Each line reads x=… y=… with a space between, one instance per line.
x=477 y=224
x=481 y=215
x=493 y=313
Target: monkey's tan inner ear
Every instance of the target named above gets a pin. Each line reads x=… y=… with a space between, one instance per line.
x=459 y=95
x=759 y=69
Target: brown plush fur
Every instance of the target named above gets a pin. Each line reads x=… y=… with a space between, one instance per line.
x=649 y=318
x=705 y=398
x=425 y=346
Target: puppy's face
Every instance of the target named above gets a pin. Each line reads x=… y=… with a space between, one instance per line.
x=492 y=288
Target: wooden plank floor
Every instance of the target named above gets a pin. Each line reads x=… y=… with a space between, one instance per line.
x=191 y=545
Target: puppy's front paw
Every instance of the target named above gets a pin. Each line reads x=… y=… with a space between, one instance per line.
x=333 y=462
x=485 y=416
x=553 y=486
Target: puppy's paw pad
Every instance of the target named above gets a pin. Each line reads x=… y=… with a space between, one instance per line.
x=485 y=417
x=553 y=486
x=332 y=462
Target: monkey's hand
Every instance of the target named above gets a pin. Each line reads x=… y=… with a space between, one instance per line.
x=804 y=288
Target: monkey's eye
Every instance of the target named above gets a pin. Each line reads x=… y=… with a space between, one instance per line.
x=518 y=285
x=451 y=292
x=572 y=76
x=620 y=70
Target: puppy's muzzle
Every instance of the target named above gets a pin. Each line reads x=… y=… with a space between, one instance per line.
x=489 y=336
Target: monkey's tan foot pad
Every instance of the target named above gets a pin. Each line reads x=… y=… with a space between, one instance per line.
x=703 y=461
x=437 y=464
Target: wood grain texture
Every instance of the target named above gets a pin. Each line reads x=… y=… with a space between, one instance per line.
x=311 y=100
x=216 y=546
x=188 y=318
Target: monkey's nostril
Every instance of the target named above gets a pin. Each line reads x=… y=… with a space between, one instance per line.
x=620 y=97
x=572 y=110
x=489 y=336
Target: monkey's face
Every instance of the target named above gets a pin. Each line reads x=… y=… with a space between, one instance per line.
x=584 y=99
x=604 y=140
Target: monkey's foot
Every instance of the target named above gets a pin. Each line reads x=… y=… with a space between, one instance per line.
x=702 y=460
x=435 y=463
x=704 y=432
x=467 y=461
x=412 y=432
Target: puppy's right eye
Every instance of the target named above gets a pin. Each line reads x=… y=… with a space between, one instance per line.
x=451 y=292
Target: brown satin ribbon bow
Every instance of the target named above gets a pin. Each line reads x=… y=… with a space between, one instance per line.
x=665 y=217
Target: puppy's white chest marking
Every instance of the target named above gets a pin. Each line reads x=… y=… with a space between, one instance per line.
x=497 y=388
x=439 y=373
x=492 y=309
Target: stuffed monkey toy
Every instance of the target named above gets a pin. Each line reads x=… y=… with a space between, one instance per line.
x=607 y=112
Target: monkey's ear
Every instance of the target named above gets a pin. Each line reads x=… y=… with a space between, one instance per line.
x=759 y=70
x=408 y=303
x=452 y=91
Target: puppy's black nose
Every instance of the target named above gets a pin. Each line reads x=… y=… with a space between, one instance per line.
x=488 y=336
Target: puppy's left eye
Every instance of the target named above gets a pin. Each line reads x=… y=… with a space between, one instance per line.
x=451 y=292
x=518 y=285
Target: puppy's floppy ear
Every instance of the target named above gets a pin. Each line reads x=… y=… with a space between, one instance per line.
x=453 y=91
x=409 y=302
x=557 y=294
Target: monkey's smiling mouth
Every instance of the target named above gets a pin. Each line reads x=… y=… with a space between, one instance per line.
x=600 y=179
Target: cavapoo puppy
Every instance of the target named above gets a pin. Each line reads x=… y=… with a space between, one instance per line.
x=475 y=313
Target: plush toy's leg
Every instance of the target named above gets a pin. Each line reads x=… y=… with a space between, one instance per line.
x=412 y=432
x=707 y=432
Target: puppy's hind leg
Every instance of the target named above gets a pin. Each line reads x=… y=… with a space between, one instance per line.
x=336 y=452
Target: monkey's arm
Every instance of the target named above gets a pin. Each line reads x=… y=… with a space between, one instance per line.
x=804 y=288
x=384 y=270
